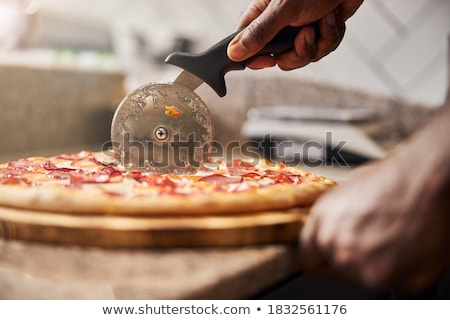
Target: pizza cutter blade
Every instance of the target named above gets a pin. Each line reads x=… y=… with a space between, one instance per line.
x=166 y=127
x=162 y=127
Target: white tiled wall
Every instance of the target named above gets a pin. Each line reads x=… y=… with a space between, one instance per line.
x=395 y=47
x=392 y=47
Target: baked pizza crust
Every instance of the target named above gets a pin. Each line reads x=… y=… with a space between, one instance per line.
x=276 y=197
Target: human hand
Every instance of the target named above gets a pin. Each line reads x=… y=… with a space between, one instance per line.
x=265 y=18
x=388 y=227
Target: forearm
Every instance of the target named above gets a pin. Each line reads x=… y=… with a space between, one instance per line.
x=397 y=236
x=431 y=149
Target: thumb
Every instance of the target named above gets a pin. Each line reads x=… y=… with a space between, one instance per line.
x=255 y=36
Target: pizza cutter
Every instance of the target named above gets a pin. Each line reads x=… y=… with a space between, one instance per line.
x=166 y=127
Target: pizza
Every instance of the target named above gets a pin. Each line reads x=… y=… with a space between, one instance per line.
x=95 y=183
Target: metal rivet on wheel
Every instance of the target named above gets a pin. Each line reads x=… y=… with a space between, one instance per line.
x=161 y=133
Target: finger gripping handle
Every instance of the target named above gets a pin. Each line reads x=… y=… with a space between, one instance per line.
x=212 y=64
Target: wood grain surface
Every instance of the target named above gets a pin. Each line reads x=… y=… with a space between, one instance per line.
x=152 y=232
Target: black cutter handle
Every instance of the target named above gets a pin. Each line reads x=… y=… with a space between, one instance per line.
x=212 y=64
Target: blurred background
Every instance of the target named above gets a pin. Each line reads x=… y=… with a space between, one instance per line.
x=81 y=54
x=393 y=47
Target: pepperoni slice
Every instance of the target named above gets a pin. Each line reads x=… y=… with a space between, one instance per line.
x=220 y=180
x=283 y=177
x=14 y=181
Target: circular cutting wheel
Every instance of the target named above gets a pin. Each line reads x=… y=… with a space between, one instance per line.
x=162 y=127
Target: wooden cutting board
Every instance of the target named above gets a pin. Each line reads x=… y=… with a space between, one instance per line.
x=152 y=232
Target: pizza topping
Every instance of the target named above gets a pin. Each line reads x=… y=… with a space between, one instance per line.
x=244 y=186
x=14 y=171
x=83 y=177
x=158 y=179
x=85 y=168
x=103 y=175
x=220 y=180
x=172 y=111
x=13 y=181
x=252 y=175
x=74 y=156
x=20 y=167
x=161 y=183
x=58 y=175
x=19 y=172
x=282 y=177
x=136 y=175
x=84 y=163
x=25 y=163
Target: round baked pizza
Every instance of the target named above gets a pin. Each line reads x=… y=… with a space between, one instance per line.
x=94 y=183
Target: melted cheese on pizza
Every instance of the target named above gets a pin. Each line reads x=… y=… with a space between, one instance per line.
x=89 y=170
